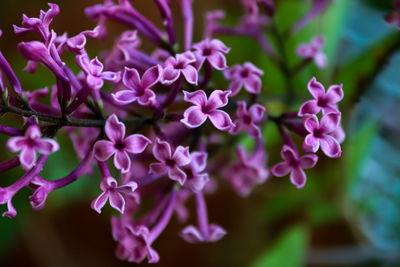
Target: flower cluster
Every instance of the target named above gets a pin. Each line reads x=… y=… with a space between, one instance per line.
x=159 y=117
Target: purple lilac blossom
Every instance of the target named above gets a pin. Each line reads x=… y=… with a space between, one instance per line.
x=181 y=64
x=314 y=51
x=294 y=165
x=327 y=102
x=170 y=161
x=248 y=119
x=31 y=143
x=247 y=76
x=211 y=51
x=320 y=134
x=207 y=108
x=119 y=145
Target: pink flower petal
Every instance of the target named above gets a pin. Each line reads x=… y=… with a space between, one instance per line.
x=27 y=157
x=298 y=177
x=117 y=201
x=190 y=74
x=170 y=75
x=221 y=120
x=217 y=99
x=131 y=79
x=193 y=117
x=288 y=154
x=191 y=235
x=115 y=130
x=316 y=89
x=151 y=76
x=256 y=112
x=235 y=87
x=124 y=97
x=334 y=94
x=198 y=161
x=281 y=169
x=158 y=168
x=94 y=82
x=103 y=150
x=330 y=122
x=122 y=161
x=147 y=98
x=136 y=143
x=308 y=161
x=309 y=107
x=217 y=60
x=16 y=143
x=46 y=146
x=330 y=147
x=215 y=233
x=162 y=150
x=198 y=97
x=178 y=175
x=253 y=84
x=311 y=144
x=181 y=156
x=311 y=123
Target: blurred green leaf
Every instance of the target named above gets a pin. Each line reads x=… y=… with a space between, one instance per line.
x=289 y=250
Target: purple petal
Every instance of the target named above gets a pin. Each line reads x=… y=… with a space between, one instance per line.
x=103 y=150
x=191 y=235
x=288 y=154
x=334 y=94
x=115 y=130
x=253 y=84
x=316 y=89
x=198 y=161
x=162 y=150
x=219 y=45
x=215 y=233
x=151 y=76
x=122 y=161
x=193 y=117
x=252 y=130
x=136 y=143
x=298 y=177
x=98 y=203
x=217 y=99
x=96 y=66
x=305 y=51
x=170 y=75
x=309 y=107
x=311 y=123
x=330 y=146
x=124 y=97
x=178 y=175
x=16 y=143
x=221 y=120
x=235 y=87
x=339 y=134
x=111 y=76
x=46 y=146
x=131 y=79
x=197 y=182
x=198 y=97
x=308 y=161
x=33 y=131
x=128 y=188
x=94 y=82
x=329 y=122
x=181 y=156
x=320 y=60
x=117 y=201
x=27 y=157
x=147 y=98
x=158 y=168
x=311 y=144
x=256 y=112
x=217 y=60
x=281 y=169
x=190 y=74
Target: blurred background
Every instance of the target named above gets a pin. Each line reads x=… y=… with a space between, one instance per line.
x=348 y=214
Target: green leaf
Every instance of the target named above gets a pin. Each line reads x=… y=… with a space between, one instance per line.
x=289 y=250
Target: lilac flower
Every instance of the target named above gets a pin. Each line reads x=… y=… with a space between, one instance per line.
x=294 y=165
x=248 y=119
x=248 y=171
x=119 y=145
x=38 y=198
x=179 y=65
x=114 y=193
x=319 y=134
x=39 y=25
x=327 y=102
x=314 y=50
x=134 y=244
x=211 y=51
x=77 y=43
x=31 y=143
x=207 y=108
x=95 y=75
x=170 y=162
x=139 y=89
x=196 y=178
x=247 y=76
x=192 y=235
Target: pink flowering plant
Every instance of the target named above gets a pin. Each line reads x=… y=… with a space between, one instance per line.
x=168 y=123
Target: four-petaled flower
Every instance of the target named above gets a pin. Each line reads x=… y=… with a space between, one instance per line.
x=248 y=119
x=327 y=102
x=139 y=89
x=31 y=143
x=211 y=51
x=170 y=163
x=294 y=165
x=314 y=50
x=119 y=145
x=95 y=75
x=247 y=75
x=192 y=235
x=114 y=193
x=196 y=178
x=320 y=133
x=207 y=108
x=179 y=65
